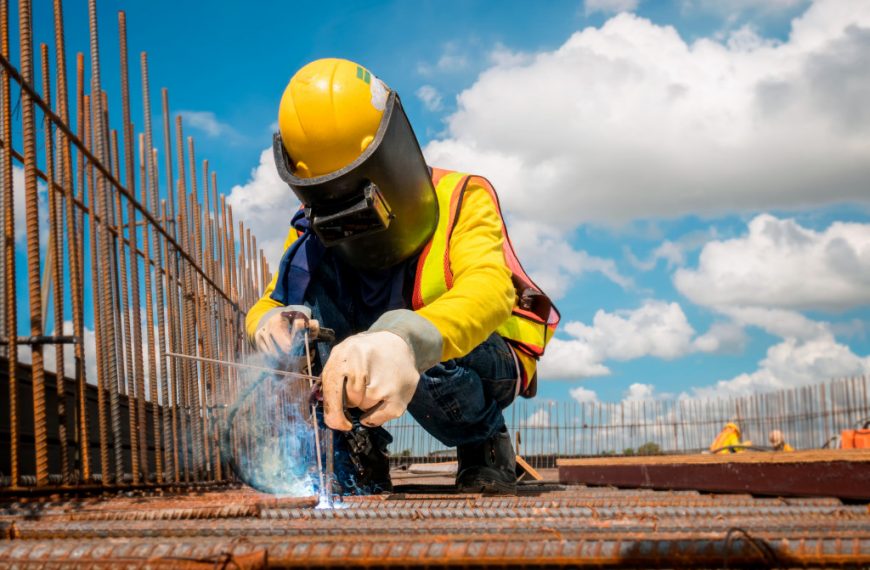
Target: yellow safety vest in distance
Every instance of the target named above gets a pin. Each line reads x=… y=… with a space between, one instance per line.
x=534 y=318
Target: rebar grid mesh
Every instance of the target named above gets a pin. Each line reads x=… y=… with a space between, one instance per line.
x=120 y=270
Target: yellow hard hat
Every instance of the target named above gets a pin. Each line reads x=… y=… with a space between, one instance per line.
x=329 y=114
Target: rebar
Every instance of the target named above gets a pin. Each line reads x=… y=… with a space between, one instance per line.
x=11 y=298
x=32 y=224
x=55 y=214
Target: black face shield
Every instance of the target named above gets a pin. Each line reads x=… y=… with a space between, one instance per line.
x=380 y=209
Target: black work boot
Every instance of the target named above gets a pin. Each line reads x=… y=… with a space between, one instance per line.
x=488 y=467
x=362 y=463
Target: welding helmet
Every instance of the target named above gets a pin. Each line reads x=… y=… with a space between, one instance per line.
x=346 y=149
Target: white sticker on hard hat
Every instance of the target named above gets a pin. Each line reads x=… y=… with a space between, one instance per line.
x=379 y=94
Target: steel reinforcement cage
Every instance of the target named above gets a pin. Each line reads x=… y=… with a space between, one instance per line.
x=113 y=262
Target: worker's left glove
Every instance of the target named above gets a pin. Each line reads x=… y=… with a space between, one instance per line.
x=275 y=333
x=372 y=371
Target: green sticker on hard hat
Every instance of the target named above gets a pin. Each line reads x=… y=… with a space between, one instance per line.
x=363 y=74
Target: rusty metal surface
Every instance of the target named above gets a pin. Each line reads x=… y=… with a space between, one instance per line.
x=544 y=525
x=835 y=473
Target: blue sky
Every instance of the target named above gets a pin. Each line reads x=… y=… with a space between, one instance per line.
x=689 y=178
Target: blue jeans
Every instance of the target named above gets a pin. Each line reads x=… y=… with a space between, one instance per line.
x=459 y=401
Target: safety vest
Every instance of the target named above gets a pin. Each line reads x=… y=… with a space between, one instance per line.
x=534 y=318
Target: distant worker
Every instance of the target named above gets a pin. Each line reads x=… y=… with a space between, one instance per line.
x=777 y=441
x=412 y=268
x=728 y=440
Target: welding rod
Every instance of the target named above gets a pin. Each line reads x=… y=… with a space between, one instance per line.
x=248 y=366
x=317 y=447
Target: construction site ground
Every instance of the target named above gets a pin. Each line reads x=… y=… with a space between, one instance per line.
x=424 y=522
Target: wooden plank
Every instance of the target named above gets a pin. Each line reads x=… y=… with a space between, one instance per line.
x=524 y=468
x=814 y=455
x=831 y=473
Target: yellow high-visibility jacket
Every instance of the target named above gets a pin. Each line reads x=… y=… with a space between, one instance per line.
x=476 y=295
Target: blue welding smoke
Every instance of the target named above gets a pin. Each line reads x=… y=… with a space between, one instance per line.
x=270 y=436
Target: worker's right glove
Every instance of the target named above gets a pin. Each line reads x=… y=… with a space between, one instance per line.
x=378 y=371
x=275 y=333
x=371 y=371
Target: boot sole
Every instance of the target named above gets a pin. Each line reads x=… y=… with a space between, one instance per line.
x=489 y=487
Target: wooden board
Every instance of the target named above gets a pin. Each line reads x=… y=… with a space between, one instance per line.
x=833 y=473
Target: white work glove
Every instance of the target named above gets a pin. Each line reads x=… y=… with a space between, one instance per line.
x=275 y=333
x=373 y=371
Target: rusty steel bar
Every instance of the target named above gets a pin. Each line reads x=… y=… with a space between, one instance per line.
x=127 y=308
x=152 y=193
x=186 y=310
x=79 y=259
x=55 y=214
x=94 y=163
x=198 y=281
x=149 y=300
x=195 y=243
x=96 y=299
x=140 y=451
x=100 y=195
x=170 y=433
x=11 y=299
x=73 y=247
x=167 y=151
x=32 y=224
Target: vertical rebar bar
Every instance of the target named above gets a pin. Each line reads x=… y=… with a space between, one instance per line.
x=31 y=197
x=186 y=316
x=55 y=215
x=136 y=320
x=101 y=202
x=151 y=167
x=159 y=433
x=149 y=300
x=73 y=244
x=129 y=312
x=167 y=151
x=172 y=298
x=195 y=245
x=11 y=301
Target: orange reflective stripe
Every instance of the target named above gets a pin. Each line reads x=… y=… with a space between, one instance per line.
x=526 y=331
x=433 y=269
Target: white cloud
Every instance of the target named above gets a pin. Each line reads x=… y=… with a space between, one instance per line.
x=19 y=201
x=722 y=337
x=540 y=418
x=553 y=263
x=610 y=6
x=451 y=60
x=792 y=363
x=630 y=121
x=583 y=395
x=208 y=123
x=734 y=10
x=431 y=98
x=656 y=329
x=672 y=252
x=639 y=392
x=267 y=204
x=781 y=264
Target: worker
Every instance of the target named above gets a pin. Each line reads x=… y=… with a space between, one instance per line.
x=777 y=441
x=413 y=269
x=728 y=440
